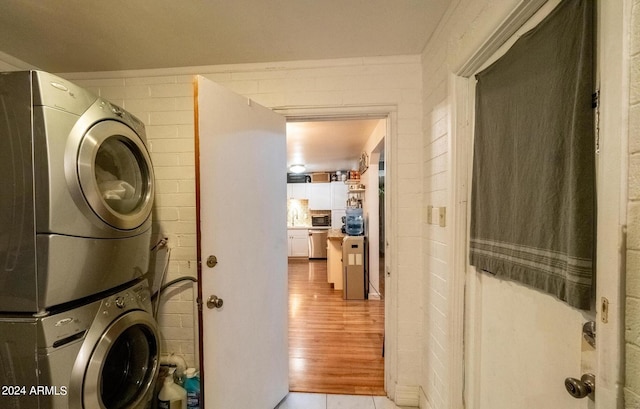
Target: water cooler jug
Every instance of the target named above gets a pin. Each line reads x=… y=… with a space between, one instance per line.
x=354 y=222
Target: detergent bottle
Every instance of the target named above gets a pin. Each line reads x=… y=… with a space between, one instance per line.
x=192 y=385
x=172 y=396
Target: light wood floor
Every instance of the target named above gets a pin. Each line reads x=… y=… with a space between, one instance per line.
x=335 y=345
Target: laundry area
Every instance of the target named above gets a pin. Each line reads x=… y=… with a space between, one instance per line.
x=76 y=316
x=158 y=152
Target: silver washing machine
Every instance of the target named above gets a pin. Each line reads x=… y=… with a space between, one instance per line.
x=101 y=355
x=76 y=197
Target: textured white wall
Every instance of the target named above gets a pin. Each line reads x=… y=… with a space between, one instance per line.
x=632 y=390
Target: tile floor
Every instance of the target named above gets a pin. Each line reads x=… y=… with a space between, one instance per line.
x=297 y=400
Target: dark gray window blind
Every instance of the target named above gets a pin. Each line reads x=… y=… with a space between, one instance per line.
x=533 y=185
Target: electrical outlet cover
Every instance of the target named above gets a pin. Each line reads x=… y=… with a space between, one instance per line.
x=443 y=216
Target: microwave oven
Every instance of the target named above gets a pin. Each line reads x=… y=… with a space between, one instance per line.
x=320 y=220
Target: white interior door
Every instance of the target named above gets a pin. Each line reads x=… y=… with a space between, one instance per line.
x=242 y=154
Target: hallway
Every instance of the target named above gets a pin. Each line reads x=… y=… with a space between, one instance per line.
x=335 y=346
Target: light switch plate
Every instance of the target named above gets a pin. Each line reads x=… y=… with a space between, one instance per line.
x=429 y=214
x=435 y=216
x=443 y=216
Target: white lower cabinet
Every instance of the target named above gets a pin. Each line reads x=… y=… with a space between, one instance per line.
x=298 y=242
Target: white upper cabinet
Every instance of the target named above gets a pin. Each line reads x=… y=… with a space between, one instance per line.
x=298 y=191
x=338 y=195
x=320 y=197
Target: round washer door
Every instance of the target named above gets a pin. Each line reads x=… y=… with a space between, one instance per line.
x=122 y=368
x=116 y=175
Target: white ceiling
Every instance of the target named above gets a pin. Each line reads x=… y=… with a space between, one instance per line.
x=89 y=35
x=328 y=145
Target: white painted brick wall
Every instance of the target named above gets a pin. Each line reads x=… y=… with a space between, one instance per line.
x=632 y=313
x=163 y=102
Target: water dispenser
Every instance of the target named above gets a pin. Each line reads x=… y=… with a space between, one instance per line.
x=354 y=222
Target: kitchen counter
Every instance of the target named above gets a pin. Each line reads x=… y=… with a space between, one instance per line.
x=334 y=258
x=308 y=227
x=335 y=234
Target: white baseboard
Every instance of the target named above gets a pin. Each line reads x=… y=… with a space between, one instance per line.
x=407 y=396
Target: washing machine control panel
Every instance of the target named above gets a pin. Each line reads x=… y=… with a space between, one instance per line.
x=136 y=297
x=65 y=327
x=120 y=302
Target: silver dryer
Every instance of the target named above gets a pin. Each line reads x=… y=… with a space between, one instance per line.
x=77 y=192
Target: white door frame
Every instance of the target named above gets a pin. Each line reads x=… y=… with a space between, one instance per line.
x=612 y=38
x=613 y=48
x=373 y=111
x=464 y=347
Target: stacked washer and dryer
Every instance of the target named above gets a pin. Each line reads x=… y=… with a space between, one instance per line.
x=76 y=326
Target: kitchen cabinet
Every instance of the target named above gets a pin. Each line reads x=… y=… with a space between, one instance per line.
x=336 y=218
x=298 y=191
x=298 y=242
x=320 y=196
x=339 y=194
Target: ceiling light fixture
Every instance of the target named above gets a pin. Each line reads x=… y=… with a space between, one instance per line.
x=297 y=168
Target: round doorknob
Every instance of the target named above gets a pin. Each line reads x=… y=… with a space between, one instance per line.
x=214 y=302
x=212 y=261
x=581 y=388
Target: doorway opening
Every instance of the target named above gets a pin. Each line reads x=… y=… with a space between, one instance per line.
x=336 y=344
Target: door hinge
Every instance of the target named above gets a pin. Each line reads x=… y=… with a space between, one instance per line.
x=595 y=104
x=604 y=310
